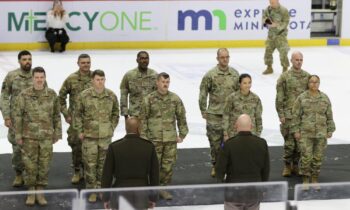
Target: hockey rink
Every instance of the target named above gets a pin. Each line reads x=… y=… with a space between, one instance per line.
x=186 y=69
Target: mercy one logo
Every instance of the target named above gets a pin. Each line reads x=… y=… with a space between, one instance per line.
x=79 y=20
x=206 y=15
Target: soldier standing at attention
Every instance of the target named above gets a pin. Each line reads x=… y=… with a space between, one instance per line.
x=241 y=102
x=38 y=126
x=218 y=83
x=276 y=19
x=289 y=86
x=312 y=125
x=137 y=84
x=161 y=110
x=73 y=86
x=96 y=117
x=14 y=82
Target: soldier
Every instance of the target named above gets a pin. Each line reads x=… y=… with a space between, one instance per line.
x=242 y=102
x=96 y=117
x=312 y=125
x=289 y=86
x=14 y=82
x=73 y=86
x=161 y=110
x=137 y=84
x=38 y=126
x=218 y=83
x=276 y=19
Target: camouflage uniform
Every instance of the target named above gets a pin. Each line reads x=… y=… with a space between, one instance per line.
x=96 y=116
x=159 y=115
x=73 y=86
x=38 y=123
x=218 y=84
x=289 y=86
x=14 y=82
x=237 y=104
x=313 y=119
x=136 y=85
x=277 y=37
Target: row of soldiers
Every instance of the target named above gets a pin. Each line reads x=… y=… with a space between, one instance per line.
x=93 y=114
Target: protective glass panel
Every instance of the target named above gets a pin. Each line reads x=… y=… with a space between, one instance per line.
x=56 y=199
x=322 y=196
x=269 y=196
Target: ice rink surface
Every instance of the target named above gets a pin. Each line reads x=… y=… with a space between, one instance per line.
x=186 y=69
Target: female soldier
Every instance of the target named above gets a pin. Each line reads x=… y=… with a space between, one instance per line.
x=242 y=102
x=312 y=125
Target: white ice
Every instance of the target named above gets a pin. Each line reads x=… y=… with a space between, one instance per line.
x=186 y=68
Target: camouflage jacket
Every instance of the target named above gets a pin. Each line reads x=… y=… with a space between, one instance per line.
x=289 y=86
x=237 y=104
x=280 y=16
x=136 y=85
x=14 y=82
x=37 y=115
x=73 y=85
x=97 y=115
x=158 y=116
x=312 y=115
x=218 y=84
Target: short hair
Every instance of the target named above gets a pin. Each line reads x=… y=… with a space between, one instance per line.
x=242 y=76
x=38 y=69
x=97 y=72
x=221 y=49
x=142 y=52
x=83 y=56
x=164 y=75
x=23 y=53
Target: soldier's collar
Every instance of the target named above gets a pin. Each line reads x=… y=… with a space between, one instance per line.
x=27 y=74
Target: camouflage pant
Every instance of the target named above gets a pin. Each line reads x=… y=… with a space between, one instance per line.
x=215 y=134
x=75 y=143
x=281 y=43
x=312 y=152
x=291 y=146
x=37 y=155
x=166 y=154
x=94 y=154
x=17 y=162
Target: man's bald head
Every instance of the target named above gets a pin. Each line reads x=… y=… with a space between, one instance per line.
x=297 y=60
x=244 y=123
x=132 y=125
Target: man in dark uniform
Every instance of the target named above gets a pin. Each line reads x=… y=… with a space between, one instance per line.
x=131 y=162
x=243 y=158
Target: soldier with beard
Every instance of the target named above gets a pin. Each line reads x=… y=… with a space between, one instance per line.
x=13 y=84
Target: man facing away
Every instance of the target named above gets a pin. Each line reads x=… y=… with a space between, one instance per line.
x=243 y=158
x=131 y=150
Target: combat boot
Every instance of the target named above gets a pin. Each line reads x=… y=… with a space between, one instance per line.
x=314 y=180
x=268 y=70
x=284 y=69
x=30 y=197
x=306 y=182
x=76 y=177
x=40 y=198
x=92 y=198
x=165 y=195
x=287 y=170
x=213 y=172
x=18 y=181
